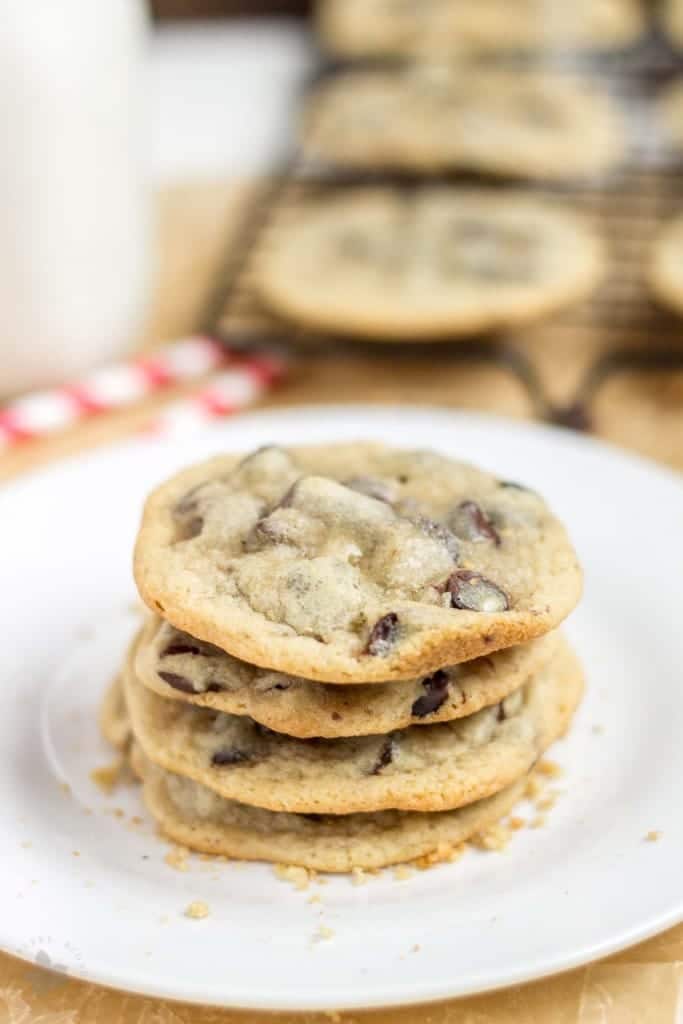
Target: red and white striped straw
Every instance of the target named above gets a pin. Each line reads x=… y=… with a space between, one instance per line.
x=243 y=379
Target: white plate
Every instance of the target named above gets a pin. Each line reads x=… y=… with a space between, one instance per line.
x=581 y=887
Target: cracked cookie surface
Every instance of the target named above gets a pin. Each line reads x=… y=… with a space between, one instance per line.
x=353 y=563
x=438 y=768
x=180 y=667
x=427 y=263
x=430 y=117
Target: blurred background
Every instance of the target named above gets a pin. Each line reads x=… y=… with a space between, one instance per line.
x=154 y=154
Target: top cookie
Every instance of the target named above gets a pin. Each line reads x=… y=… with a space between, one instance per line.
x=353 y=562
x=430 y=263
x=373 y=28
x=522 y=124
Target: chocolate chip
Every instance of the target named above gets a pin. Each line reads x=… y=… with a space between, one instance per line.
x=177 y=682
x=439 y=532
x=472 y=591
x=185 y=514
x=313 y=817
x=187 y=505
x=436 y=691
x=230 y=756
x=385 y=755
x=372 y=487
x=214 y=688
x=471 y=523
x=336 y=717
x=179 y=647
x=501 y=712
x=383 y=635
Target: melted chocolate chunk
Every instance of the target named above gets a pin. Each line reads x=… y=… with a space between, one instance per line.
x=472 y=591
x=383 y=635
x=187 y=505
x=178 y=682
x=230 y=756
x=179 y=647
x=471 y=523
x=436 y=691
x=385 y=755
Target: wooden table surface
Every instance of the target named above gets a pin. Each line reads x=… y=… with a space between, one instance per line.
x=640 y=411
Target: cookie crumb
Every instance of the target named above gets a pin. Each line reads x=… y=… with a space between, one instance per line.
x=538 y=821
x=323 y=933
x=598 y=730
x=75 y=853
x=65 y=788
x=547 y=802
x=176 y=858
x=551 y=769
x=359 y=877
x=197 y=910
x=299 y=877
x=653 y=835
x=403 y=871
x=532 y=788
x=516 y=823
x=315 y=898
x=26 y=845
x=136 y=820
x=109 y=776
x=443 y=852
x=495 y=838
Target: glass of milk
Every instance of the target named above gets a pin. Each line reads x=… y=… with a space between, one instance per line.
x=74 y=207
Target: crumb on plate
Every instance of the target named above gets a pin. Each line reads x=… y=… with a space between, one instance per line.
x=197 y=910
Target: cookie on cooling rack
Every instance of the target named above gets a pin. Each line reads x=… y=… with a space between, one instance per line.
x=427 y=264
x=522 y=124
x=373 y=28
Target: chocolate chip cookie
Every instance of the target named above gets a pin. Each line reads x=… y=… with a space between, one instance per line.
x=427 y=263
x=195 y=816
x=419 y=769
x=431 y=117
x=352 y=563
x=177 y=666
x=374 y=28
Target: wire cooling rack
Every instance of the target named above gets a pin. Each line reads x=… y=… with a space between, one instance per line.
x=563 y=361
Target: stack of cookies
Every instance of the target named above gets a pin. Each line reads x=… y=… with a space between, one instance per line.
x=352 y=659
